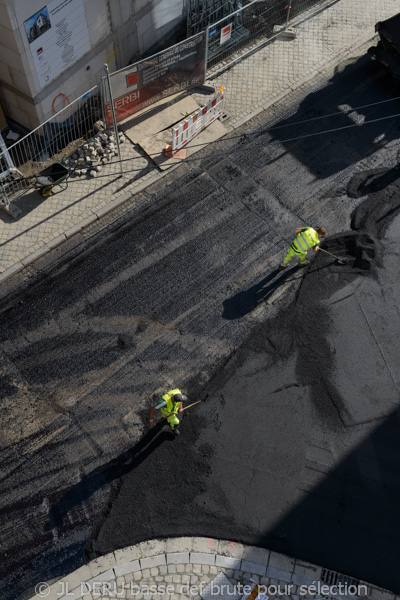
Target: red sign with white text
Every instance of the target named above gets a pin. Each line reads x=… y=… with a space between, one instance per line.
x=226 y=33
x=170 y=72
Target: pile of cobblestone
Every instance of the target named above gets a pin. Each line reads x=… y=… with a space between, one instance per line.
x=94 y=154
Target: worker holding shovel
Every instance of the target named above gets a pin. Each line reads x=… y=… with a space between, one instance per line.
x=306 y=239
x=170 y=405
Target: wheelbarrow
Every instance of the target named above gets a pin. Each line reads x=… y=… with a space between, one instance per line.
x=55 y=175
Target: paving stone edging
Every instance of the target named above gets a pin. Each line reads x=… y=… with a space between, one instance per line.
x=148 y=559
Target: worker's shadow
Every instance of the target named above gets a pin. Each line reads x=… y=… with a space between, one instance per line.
x=244 y=302
x=107 y=473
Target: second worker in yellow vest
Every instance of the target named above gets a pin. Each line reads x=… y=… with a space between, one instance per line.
x=170 y=405
x=306 y=239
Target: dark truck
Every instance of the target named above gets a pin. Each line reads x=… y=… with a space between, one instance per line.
x=387 y=51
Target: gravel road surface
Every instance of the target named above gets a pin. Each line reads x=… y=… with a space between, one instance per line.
x=295 y=445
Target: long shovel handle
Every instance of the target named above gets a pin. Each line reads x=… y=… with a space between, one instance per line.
x=330 y=254
x=190 y=405
x=186 y=407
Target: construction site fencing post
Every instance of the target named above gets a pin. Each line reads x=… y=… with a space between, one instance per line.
x=206 y=51
x=288 y=7
x=113 y=118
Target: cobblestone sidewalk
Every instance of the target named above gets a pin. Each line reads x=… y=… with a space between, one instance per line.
x=203 y=568
x=250 y=86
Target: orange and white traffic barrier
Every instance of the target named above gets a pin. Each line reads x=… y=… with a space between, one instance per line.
x=186 y=131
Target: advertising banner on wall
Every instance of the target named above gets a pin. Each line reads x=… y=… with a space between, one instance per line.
x=58 y=36
x=169 y=72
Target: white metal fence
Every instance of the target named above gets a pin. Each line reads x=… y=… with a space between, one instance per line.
x=249 y=27
x=50 y=142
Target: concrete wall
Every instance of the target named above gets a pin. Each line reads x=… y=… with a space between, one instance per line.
x=117 y=29
x=163 y=16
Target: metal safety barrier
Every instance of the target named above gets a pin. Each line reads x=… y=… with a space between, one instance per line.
x=251 y=26
x=50 y=142
x=188 y=129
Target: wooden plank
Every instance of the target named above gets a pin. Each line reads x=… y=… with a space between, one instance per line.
x=163 y=119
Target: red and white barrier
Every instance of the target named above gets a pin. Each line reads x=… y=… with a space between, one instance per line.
x=186 y=131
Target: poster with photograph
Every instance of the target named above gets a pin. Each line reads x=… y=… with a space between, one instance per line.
x=58 y=36
x=36 y=25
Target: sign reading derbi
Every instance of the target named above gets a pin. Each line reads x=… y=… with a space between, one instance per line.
x=169 y=72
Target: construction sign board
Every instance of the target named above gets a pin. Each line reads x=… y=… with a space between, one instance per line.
x=226 y=33
x=169 y=72
x=58 y=36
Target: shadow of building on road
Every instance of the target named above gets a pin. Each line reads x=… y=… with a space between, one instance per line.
x=348 y=520
x=312 y=135
x=244 y=302
x=107 y=473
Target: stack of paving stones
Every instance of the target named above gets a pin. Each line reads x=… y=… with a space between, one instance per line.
x=97 y=152
x=187 y=568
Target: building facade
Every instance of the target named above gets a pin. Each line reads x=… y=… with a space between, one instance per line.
x=52 y=54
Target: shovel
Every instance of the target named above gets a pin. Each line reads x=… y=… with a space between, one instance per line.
x=186 y=407
x=341 y=262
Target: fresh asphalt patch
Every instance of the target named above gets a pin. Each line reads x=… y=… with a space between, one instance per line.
x=296 y=448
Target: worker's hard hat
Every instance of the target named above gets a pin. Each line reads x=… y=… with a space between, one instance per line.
x=180 y=398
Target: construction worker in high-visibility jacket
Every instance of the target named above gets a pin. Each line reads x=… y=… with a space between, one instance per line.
x=306 y=239
x=169 y=405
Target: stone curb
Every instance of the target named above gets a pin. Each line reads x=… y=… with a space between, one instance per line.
x=145 y=184
x=251 y=562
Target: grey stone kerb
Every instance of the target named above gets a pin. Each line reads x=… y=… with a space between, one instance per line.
x=196 y=561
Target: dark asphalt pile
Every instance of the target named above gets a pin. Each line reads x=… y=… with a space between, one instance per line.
x=296 y=447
